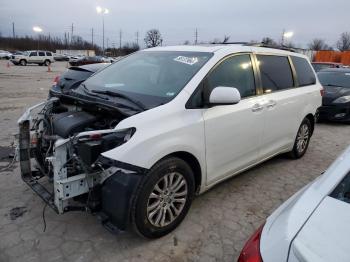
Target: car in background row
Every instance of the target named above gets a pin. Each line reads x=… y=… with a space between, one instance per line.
x=33 y=57
x=313 y=225
x=5 y=54
x=61 y=57
x=73 y=77
x=336 y=98
x=323 y=65
x=86 y=60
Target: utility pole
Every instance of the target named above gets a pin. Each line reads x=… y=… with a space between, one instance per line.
x=71 y=35
x=137 y=37
x=13 y=30
x=92 y=36
x=120 y=39
x=196 y=36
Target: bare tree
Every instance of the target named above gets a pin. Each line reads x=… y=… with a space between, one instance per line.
x=226 y=38
x=153 y=38
x=269 y=41
x=318 y=44
x=343 y=43
x=218 y=41
x=186 y=42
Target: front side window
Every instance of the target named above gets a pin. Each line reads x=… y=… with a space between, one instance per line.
x=41 y=53
x=33 y=54
x=276 y=73
x=304 y=72
x=152 y=77
x=342 y=191
x=235 y=71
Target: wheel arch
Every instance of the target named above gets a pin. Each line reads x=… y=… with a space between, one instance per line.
x=311 y=118
x=194 y=164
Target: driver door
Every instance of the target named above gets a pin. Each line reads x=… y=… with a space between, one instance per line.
x=232 y=132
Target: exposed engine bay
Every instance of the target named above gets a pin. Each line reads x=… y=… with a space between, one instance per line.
x=63 y=142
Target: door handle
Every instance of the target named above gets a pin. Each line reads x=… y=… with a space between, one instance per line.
x=271 y=104
x=257 y=108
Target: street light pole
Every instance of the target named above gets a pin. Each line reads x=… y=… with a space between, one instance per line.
x=102 y=11
x=38 y=30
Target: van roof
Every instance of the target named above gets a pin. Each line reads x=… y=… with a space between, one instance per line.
x=212 y=48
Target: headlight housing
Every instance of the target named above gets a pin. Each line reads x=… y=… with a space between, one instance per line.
x=342 y=100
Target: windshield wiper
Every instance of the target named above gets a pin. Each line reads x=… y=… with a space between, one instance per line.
x=115 y=94
x=87 y=91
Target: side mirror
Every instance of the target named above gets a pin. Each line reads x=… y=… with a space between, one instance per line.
x=223 y=95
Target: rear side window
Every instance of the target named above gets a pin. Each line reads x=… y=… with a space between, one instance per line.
x=33 y=54
x=304 y=72
x=235 y=71
x=41 y=53
x=48 y=54
x=276 y=73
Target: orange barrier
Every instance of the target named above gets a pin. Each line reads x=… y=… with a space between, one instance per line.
x=333 y=56
x=49 y=68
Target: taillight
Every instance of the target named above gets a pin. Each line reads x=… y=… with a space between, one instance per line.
x=251 y=250
x=322 y=91
x=55 y=80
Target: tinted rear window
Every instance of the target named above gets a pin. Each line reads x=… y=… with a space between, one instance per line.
x=48 y=54
x=304 y=72
x=276 y=73
x=341 y=79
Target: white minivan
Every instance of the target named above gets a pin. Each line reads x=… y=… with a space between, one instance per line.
x=138 y=140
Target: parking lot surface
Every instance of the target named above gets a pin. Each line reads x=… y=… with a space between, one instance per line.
x=216 y=228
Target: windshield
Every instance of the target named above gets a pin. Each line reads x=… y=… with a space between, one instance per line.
x=340 y=79
x=152 y=77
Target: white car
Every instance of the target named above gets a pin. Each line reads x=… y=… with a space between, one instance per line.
x=5 y=54
x=140 y=138
x=33 y=57
x=313 y=225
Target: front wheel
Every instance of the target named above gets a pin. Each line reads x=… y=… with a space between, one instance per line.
x=302 y=140
x=164 y=198
x=23 y=62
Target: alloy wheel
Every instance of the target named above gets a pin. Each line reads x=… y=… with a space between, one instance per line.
x=167 y=199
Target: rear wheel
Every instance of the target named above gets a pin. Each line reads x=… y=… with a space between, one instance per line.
x=47 y=62
x=23 y=62
x=164 y=198
x=302 y=140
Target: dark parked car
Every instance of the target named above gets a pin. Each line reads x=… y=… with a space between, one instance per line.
x=318 y=66
x=86 y=60
x=73 y=77
x=336 y=98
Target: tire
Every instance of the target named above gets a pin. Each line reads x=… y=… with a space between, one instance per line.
x=47 y=62
x=302 y=140
x=157 y=221
x=23 y=62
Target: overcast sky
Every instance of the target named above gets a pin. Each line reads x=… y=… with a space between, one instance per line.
x=177 y=19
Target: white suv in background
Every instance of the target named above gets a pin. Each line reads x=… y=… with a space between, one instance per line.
x=33 y=57
x=140 y=138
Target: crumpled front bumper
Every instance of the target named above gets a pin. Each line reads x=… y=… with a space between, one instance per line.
x=118 y=180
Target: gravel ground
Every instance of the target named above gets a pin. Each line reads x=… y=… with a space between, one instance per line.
x=216 y=228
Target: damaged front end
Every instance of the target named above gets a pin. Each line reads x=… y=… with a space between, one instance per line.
x=59 y=149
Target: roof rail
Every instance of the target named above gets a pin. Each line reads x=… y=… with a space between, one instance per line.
x=261 y=44
x=281 y=47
